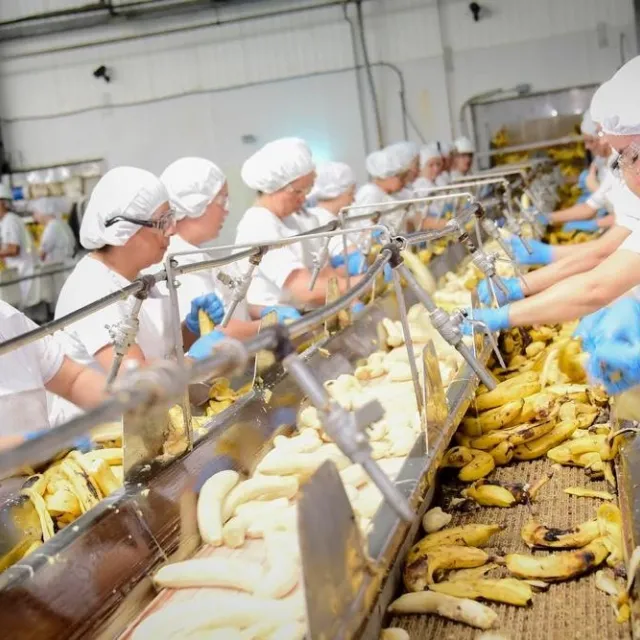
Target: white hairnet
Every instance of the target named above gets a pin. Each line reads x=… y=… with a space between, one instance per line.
x=386 y=163
x=332 y=180
x=464 y=145
x=277 y=164
x=405 y=152
x=446 y=148
x=615 y=106
x=429 y=151
x=46 y=207
x=123 y=191
x=588 y=126
x=192 y=183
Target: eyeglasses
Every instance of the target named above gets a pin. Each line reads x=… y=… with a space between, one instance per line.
x=627 y=159
x=303 y=193
x=164 y=223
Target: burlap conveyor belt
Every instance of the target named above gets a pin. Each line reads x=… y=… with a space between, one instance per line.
x=573 y=610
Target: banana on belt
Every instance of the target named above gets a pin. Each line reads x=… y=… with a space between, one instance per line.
x=473 y=463
x=488 y=493
x=433 y=563
x=521 y=386
x=46 y=522
x=538 y=448
x=470 y=535
x=559 y=566
x=515 y=435
x=493 y=419
x=538 y=536
x=609 y=520
x=80 y=483
x=506 y=590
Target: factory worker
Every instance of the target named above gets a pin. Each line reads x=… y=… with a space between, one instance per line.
x=462 y=159
x=28 y=371
x=616 y=107
x=282 y=174
x=387 y=170
x=333 y=190
x=126 y=227
x=446 y=151
x=199 y=195
x=431 y=166
x=17 y=248
x=57 y=243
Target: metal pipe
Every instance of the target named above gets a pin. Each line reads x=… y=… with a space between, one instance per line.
x=40 y=274
x=123 y=337
x=51 y=327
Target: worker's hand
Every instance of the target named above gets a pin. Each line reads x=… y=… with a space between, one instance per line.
x=357 y=307
x=590 y=226
x=541 y=253
x=587 y=329
x=211 y=305
x=82 y=444
x=356 y=263
x=202 y=348
x=514 y=288
x=543 y=219
x=388 y=272
x=283 y=313
x=619 y=322
x=494 y=319
x=616 y=365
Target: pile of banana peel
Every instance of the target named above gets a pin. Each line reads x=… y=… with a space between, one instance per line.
x=540 y=407
x=72 y=485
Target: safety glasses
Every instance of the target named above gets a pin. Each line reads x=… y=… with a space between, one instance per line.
x=223 y=201
x=627 y=159
x=164 y=223
x=302 y=193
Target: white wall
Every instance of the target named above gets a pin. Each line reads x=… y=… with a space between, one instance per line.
x=200 y=91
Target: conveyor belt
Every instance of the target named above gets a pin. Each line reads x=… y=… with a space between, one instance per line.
x=568 y=610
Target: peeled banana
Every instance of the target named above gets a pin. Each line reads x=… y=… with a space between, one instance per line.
x=560 y=566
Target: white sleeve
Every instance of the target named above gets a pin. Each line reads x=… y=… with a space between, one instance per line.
x=599 y=199
x=632 y=243
x=278 y=264
x=48 y=240
x=11 y=231
x=47 y=351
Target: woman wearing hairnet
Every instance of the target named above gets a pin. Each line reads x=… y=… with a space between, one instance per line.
x=199 y=194
x=462 y=159
x=616 y=330
x=16 y=245
x=431 y=164
x=126 y=227
x=57 y=243
x=282 y=174
x=446 y=151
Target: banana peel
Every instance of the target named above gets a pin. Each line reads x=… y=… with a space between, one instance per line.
x=505 y=590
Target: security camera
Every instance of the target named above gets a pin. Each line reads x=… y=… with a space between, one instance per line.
x=475 y=9
x=102 y=72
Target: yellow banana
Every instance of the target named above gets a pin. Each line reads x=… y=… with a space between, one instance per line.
x=481 y=465
x=112 y=456
x=537 y=407
x=609 y=521
x=537 y=448
x=205 y=323
x=571 y=361
x=597 y=397
x=81 y=484
x=537 y=535
x=104 y=477
x=462 y=440
x=581 y=492
x=529 y=431
x=507 y=590
x=542 y=333
x=611 y=446
x=577 y=392
x=46 y=523
x=457 y=457
x=431 y=565
x=497 y=418
x=495 y=494
x=470 y=535
x=489 y=440
x=560 y=455
x=560 y=566
x=61 y=502
x=506 y=392
x=502 y=454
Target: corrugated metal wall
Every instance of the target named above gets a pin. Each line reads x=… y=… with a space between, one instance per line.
x=55 y=110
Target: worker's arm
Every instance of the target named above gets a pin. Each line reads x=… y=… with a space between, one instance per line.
x=297 y=284
x=607 y=221
x=81 y=385
x=9 y=250
x=591 y=255
x=241 y=329
x=430 y=222
x=134 y=355
x=581 y=211
x=581 y=294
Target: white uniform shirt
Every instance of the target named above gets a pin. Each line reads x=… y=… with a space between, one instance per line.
x=599 y=198
x=625 y=205
x=267 y=286
x=325 y=217
x=372 y=194
x=57 y=242
x=307 y=222
x=14 y=231
x=23 y=374
x=443 y=179
x=193 y=285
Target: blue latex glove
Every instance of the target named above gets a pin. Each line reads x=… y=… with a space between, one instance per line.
x=283 y=313
x=581 y=225
x=357 y=307
x=377 y=235
x=388 y=273
x=514 y=288
x=619 y=322
x=337 y=261
x=543 y=219
x=541 y=252
x=587 y=329
x=495 y=319
x=356 y=264
x=203 y=347
x=616 y=365
x=582 y=180
x=211 y=304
